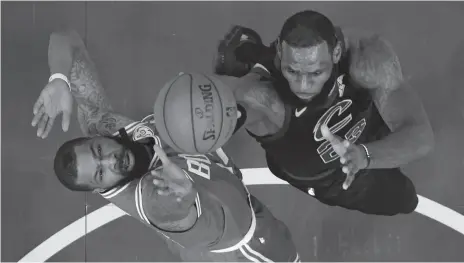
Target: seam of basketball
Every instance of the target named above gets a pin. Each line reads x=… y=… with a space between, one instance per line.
x=191 y=113
x=222 y=112
x=164 y=112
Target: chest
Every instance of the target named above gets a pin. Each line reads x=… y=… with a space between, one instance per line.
x=301 y=141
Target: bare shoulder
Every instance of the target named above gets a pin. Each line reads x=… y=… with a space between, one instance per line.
x=374 y=63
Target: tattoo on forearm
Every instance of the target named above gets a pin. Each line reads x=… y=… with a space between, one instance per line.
x=95 y=113
x=85 y=84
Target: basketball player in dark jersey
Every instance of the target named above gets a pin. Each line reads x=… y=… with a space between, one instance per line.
x=332 y=112
x=197 y=202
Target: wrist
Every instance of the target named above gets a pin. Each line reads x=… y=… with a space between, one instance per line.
x=60 y=77
x=60 y=82
x=367 y=155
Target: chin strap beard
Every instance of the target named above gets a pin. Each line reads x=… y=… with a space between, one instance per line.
x=155 y=139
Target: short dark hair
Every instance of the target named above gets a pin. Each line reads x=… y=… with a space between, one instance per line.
x=308 y=28
x=65 y=165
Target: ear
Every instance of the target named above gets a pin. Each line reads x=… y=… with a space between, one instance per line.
x=337 y=52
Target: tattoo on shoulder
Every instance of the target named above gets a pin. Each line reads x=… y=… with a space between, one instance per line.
x=374 y=64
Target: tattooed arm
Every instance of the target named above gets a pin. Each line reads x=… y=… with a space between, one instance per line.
x=68 y=55
x=374 y=65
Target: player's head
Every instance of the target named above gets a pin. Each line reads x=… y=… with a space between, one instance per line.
x=99 y=163
x=308 y=49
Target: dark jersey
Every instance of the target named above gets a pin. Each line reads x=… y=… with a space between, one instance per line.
x=224 y=215
x=298 y=153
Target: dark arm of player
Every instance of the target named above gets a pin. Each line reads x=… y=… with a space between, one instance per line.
x=68 y=55
x=374 y=65
x=265 y=111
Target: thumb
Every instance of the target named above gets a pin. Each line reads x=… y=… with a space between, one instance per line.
x=161 y=154
x=329 y=136
x=334 y=140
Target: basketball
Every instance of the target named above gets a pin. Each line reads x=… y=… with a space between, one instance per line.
x=195 y=113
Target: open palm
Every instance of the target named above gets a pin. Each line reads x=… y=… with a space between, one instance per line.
x=54 y=99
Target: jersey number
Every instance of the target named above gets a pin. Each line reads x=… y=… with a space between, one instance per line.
x=200 y=164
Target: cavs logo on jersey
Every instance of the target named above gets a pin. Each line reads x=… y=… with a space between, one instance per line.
x=339 y=110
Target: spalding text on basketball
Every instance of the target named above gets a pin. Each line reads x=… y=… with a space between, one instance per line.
x=210 y=132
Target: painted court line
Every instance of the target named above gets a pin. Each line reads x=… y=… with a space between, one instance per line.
x=253 y=176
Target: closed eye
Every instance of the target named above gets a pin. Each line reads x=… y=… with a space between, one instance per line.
x=100 y=174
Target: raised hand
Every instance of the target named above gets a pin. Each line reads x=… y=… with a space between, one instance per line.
x=352 y=156
x=54 y=99
x=170 y=178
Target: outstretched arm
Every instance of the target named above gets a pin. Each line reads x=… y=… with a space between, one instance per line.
x=68 y=55
x=374 y=65
x=265 y=111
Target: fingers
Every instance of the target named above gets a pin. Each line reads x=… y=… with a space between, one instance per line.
x=161 y=154
x=171 y=181
x=349 y=168
x=346 y=157
x=42 y=124
x=41 y=120
x=349 y=179
x=37 y=105
x=162 y=186
x=66 y=120
x=48 y=127
x=38 y=115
